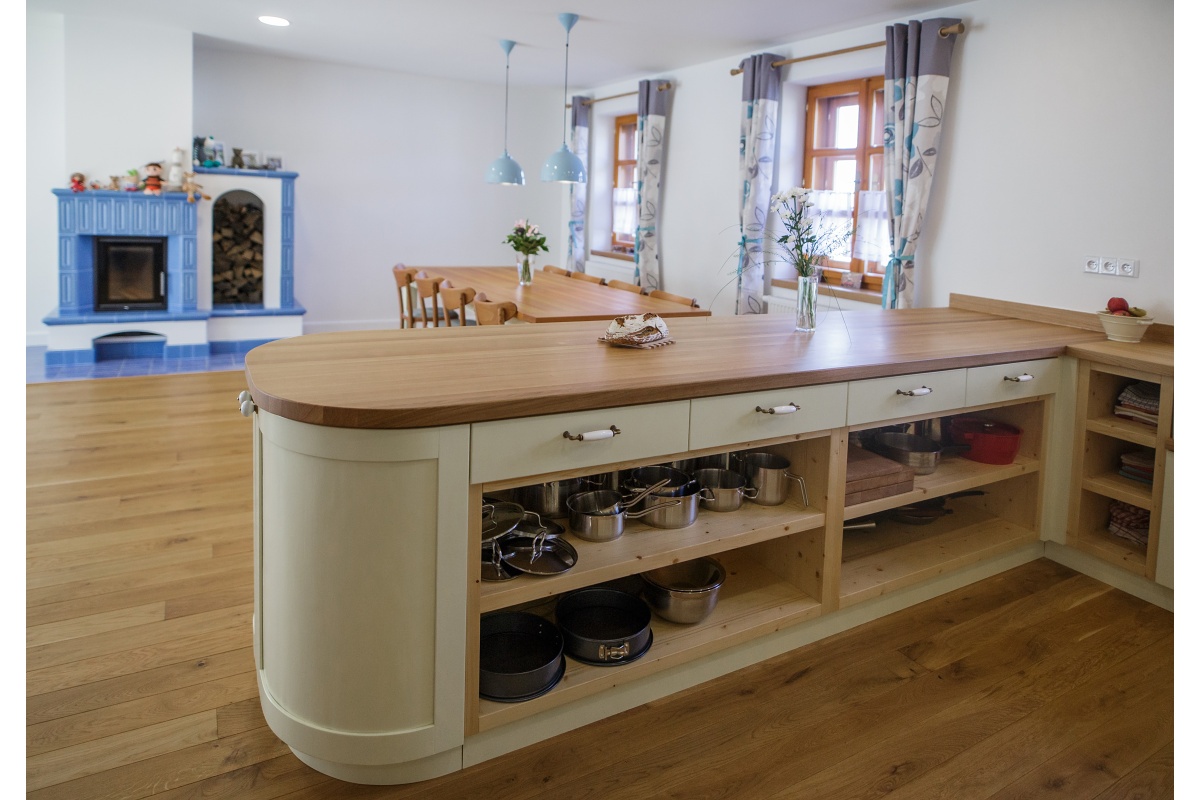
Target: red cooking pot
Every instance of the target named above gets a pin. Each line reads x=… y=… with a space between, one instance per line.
x=990 y=442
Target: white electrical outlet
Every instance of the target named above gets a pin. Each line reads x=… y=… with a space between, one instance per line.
x=1108 y=266
x=1128 y=267
x=1091 y=264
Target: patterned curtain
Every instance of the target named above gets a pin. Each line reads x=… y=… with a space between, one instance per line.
x=581 y=118
x=760 y=99
x=917 y=74
x=651 y=148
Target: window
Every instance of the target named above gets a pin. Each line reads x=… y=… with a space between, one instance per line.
x=624 y=196
x=843 y=162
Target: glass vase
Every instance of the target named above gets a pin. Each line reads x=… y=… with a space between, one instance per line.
x=525 y=262
x=806 y=302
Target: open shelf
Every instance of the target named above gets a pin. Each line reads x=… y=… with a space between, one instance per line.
x=952 y=475
x=753 y=601
x=1092 y=535
x=643 y=548
x=1121 y=488
x=1125 y=429
x=894 y=555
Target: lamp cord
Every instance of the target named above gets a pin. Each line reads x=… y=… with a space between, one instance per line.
x=566 y=70
x=506 y=104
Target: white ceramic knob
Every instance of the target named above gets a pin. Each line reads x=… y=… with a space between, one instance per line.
x=247 y=408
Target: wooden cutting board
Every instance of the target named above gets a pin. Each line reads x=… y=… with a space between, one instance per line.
x=866 y=470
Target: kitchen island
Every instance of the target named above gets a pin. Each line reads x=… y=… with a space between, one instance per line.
x=373 y=451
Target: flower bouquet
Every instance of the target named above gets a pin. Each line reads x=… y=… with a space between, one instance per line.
x=527 y=241
x=809 y=238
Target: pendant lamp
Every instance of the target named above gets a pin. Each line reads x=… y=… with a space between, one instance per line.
x=564 y=166
x=505 y=169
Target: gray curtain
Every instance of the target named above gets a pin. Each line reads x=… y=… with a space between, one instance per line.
x=581 y=120
x=652 y=141
x=760 y=113
x=916 y=77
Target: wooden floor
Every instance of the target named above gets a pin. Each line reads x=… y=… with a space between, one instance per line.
x=1038 y=682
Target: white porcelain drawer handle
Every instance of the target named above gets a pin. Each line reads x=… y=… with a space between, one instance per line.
x=915 y=392
x=790 y=408
x=592 y=436
x=1025 y=376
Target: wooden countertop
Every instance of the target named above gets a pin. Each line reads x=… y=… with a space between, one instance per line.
x=425 y=377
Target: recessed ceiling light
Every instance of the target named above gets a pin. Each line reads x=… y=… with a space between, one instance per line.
x=278 y=22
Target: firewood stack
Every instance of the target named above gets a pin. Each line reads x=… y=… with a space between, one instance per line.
x=237 y=253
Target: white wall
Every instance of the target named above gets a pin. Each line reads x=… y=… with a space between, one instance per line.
x=96 y=107
x=391 y=170
x=1055 y=149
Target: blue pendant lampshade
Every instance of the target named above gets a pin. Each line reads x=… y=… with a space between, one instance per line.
x=564 y=166
x=505 y=169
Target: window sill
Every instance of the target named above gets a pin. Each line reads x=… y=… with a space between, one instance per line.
x=610 y=254
x=833 y=290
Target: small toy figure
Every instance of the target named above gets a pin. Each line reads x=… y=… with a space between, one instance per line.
x=77 y=182
x=95 y=185
x=197 y=150
x=130 y=182
x=236 y=162
x=152 y=183
x=175 y=177
x=192 y=188
x=114 y=183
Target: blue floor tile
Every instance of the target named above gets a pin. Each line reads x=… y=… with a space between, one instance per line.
x=36 y=370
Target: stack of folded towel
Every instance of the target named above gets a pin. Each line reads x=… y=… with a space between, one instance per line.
x=1129 y=522
x=1138 y=465
x=1139 y=401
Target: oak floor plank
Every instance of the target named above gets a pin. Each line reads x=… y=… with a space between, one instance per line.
x=266 y=780
x=1154 y=777
x=133 y=580
x=84 y=550
x=129 y=716
x=93 y=624
x=154 y=525
x=57 y=576
x=41 y=708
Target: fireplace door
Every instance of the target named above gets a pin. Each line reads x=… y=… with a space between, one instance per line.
x=131 y=273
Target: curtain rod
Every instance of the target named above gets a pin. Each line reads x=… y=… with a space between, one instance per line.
x=662 y=87
x=943 y=32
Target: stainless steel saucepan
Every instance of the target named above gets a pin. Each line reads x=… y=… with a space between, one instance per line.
x=599 y=515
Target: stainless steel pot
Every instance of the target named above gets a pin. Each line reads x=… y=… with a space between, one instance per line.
x=680 y=514
x=672 y=482
x=599 y=515
x=685 y=593
x=725 y=487
x=919 y=452
x=768 y=473
x=550 y=499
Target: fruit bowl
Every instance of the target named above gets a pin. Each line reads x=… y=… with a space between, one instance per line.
x=1124 y=329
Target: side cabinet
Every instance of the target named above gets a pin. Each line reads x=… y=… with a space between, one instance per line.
x=359 y=556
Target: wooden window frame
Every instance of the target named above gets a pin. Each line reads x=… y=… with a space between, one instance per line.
x=865 y=89
x=621 y=247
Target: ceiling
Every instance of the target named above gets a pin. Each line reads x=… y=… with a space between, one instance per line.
x=459 y=39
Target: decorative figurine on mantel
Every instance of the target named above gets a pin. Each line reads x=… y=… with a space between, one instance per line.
x=114 y=183
x=77 y=182
x=236 y=162
x=175 y=176
x=192 y=188
x=152 y=183
x=131 y=180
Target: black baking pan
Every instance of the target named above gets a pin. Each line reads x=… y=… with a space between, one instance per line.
x=520 y=656
x=604 y=627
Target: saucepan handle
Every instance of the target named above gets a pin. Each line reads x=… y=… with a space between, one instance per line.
x=800 y=480
x=656 y=507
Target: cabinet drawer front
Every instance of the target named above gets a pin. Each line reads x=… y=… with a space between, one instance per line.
x=536 y=445
x=1001 y=382
x=733 y=419
x=879 y=399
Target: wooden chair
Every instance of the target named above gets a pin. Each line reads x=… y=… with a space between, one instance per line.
x=404 y=288
x=675 y=298
x=629 y=287
x=556 y=270
x=493 y=313
x=427 y=296
x=454 y=303
x=583 y=276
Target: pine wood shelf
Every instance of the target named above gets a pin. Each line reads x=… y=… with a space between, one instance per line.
x=952 y=475
x=1120 y=488
x=643 y=548
x=1127 y=430
x=894 y=555
x=753 y=601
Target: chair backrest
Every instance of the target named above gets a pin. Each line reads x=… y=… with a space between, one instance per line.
x=404 y=288
x=427 y=288
x=583 y=276
x=556 y=270
x=629 y=287
x=493 y=313
x=675 y=298
x=454 y=302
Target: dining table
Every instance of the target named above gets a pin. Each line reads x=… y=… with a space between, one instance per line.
x=559 y=298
